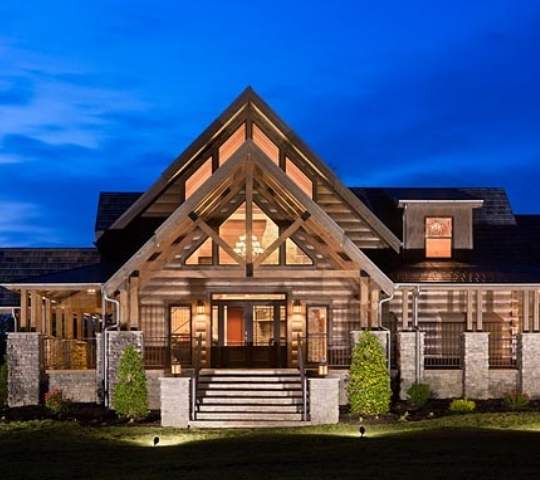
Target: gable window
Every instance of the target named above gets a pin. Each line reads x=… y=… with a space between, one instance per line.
x=265 y=144
x=299 y=177
x=233 y=143
x=203 y=173
x=438 y=237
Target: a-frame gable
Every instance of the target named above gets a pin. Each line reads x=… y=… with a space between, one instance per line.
x=248 y=168
x=281 y=145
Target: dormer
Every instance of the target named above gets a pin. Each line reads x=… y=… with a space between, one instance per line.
x=439 y=228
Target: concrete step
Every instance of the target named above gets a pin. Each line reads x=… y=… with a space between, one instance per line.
x=203 y=424
x=249 y=378
x=249 y=386
x=248 y=371
x=250 y=408
x=251 y=393
x=249 y=416
x=250 y=401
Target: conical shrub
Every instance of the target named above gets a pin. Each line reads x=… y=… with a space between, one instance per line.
x=369 y=383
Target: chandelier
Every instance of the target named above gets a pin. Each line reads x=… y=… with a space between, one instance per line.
x=240 y=247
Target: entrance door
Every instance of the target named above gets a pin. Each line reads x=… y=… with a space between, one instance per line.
x=249 y=334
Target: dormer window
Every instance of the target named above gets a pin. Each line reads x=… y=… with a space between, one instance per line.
x=438 y=237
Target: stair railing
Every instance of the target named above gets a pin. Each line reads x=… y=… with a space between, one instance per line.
x=302 y=370
x=195 y=378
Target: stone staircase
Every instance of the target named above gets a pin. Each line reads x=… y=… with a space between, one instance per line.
x=251 y=398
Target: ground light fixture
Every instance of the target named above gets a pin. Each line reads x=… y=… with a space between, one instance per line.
x=362 y=431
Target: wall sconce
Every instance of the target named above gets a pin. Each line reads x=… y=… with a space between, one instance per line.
x=297 y=306
x=200 y=307
x=323 y=370
x=176 y=369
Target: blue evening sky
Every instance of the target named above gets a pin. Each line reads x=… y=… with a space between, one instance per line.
x=102 y=95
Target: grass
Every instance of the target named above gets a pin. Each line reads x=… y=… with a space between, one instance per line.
x=468 y=446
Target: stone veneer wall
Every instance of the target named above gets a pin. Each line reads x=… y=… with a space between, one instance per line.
x=529 y=364
x=408 y=361
x=153 y=387
x=475 y=365
x=502 y=382
x=175 y=401
x=24 y=369
x=118 y=342
x=76 y=385
x=324 y=400
x=445 y=383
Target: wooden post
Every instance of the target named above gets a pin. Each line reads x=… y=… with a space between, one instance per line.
x=124 y=306
x=405 y=310
x=58 y=318
x=364 y=302
x=536 y=312
x=35 y=311
x=249 y=218
x=24 y=309
x=48 y=317
x=469 y=310
x=479 y=310
x=134 y=302
x=374 y=310
x=68 y=313
x=526 y=311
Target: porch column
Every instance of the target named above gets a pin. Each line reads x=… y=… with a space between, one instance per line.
x=24 y=368
x=24 y=310
x=175 y=401
x=529 y=364
x=411 y=360
x=476 y=365
x=116 y=343
x=324 y=400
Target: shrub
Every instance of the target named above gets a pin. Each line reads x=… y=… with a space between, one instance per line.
x=369 y=384
x=419 y=394
x=516 y=401
x=3 y=384
x=462 y=405
x=130 y=397
x=54 y=401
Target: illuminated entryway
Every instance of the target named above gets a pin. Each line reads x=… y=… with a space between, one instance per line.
x=249 y=331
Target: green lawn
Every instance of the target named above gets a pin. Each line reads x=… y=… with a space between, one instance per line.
x=477 y=446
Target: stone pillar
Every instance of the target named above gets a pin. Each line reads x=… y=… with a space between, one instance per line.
x=323 y=400
x=175 y=401
x=116 y=344
x=24 y=369
x=410 y=360
x=529 y=364
x=476 y=365
x=100 y=369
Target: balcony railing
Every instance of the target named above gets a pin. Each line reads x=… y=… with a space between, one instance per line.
x=68 y=353
x=443 y=344
x=502 y=345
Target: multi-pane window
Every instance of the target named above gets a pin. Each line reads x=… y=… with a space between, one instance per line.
x=438 y=237
x=317 y=333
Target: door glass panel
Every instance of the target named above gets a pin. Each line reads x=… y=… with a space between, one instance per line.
x=215 y=325
x=263 y=325
x=283 y=324
x=234 y=326
x=180 y=334
x=317 y=329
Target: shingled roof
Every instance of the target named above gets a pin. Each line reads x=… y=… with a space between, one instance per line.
x=27 y=264
x=111 y=205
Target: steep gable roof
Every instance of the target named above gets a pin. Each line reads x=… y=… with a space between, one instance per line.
x=250 y=101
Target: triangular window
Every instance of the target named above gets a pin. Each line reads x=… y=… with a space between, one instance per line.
x=299 y=177
x=233 y=143
x=233 y=232
x=202 y=255
x=265 y=232
x=265 y=144
x=294 y=255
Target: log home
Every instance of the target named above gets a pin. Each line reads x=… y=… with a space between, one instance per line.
x=246 y=271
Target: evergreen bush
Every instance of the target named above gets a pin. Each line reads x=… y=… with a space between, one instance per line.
x=369 y=384
x=130 y=399
x=419 y=394
x=516 y=401
x=462 y=405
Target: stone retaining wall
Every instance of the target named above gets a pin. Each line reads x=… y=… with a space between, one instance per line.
x=24 y=369
x=76 y=385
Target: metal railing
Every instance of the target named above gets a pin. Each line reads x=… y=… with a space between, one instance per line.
x=302 y=370
x=160 y=352
x=68 y=353
x=502 y=345
x=195 y=378
x=443 y=344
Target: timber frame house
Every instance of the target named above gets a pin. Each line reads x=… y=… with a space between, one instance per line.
x=248 y=252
